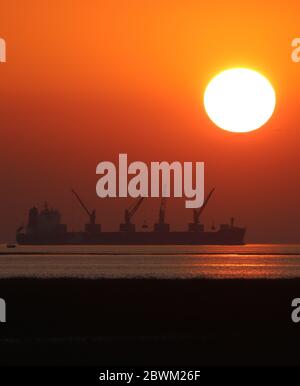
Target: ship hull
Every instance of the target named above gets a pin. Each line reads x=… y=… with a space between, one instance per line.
x=231 y=236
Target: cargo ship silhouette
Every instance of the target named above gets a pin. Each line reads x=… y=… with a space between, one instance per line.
x=45 y=228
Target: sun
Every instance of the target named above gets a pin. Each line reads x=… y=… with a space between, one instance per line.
x=239 y=100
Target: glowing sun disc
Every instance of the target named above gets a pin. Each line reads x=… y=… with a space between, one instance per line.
x=239 y=100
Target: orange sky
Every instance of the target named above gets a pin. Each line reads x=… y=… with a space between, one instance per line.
x=85 y=81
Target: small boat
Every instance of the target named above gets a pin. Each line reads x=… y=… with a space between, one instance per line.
x=10 y=245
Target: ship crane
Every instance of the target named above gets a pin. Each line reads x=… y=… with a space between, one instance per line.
x=195 y=226
x=91 y=227
x=162 y=226
x=127 y=226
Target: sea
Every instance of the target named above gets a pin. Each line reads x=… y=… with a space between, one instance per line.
x=267 y=261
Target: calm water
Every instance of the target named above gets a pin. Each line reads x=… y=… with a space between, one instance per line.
x=248 y=261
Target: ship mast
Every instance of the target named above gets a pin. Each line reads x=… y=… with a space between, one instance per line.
x=91 y=227
x=195 y=226
x=128 y=215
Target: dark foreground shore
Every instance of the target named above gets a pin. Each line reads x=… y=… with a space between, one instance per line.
x=149 y=322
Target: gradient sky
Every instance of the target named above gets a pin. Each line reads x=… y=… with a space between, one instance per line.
x=87 y=80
